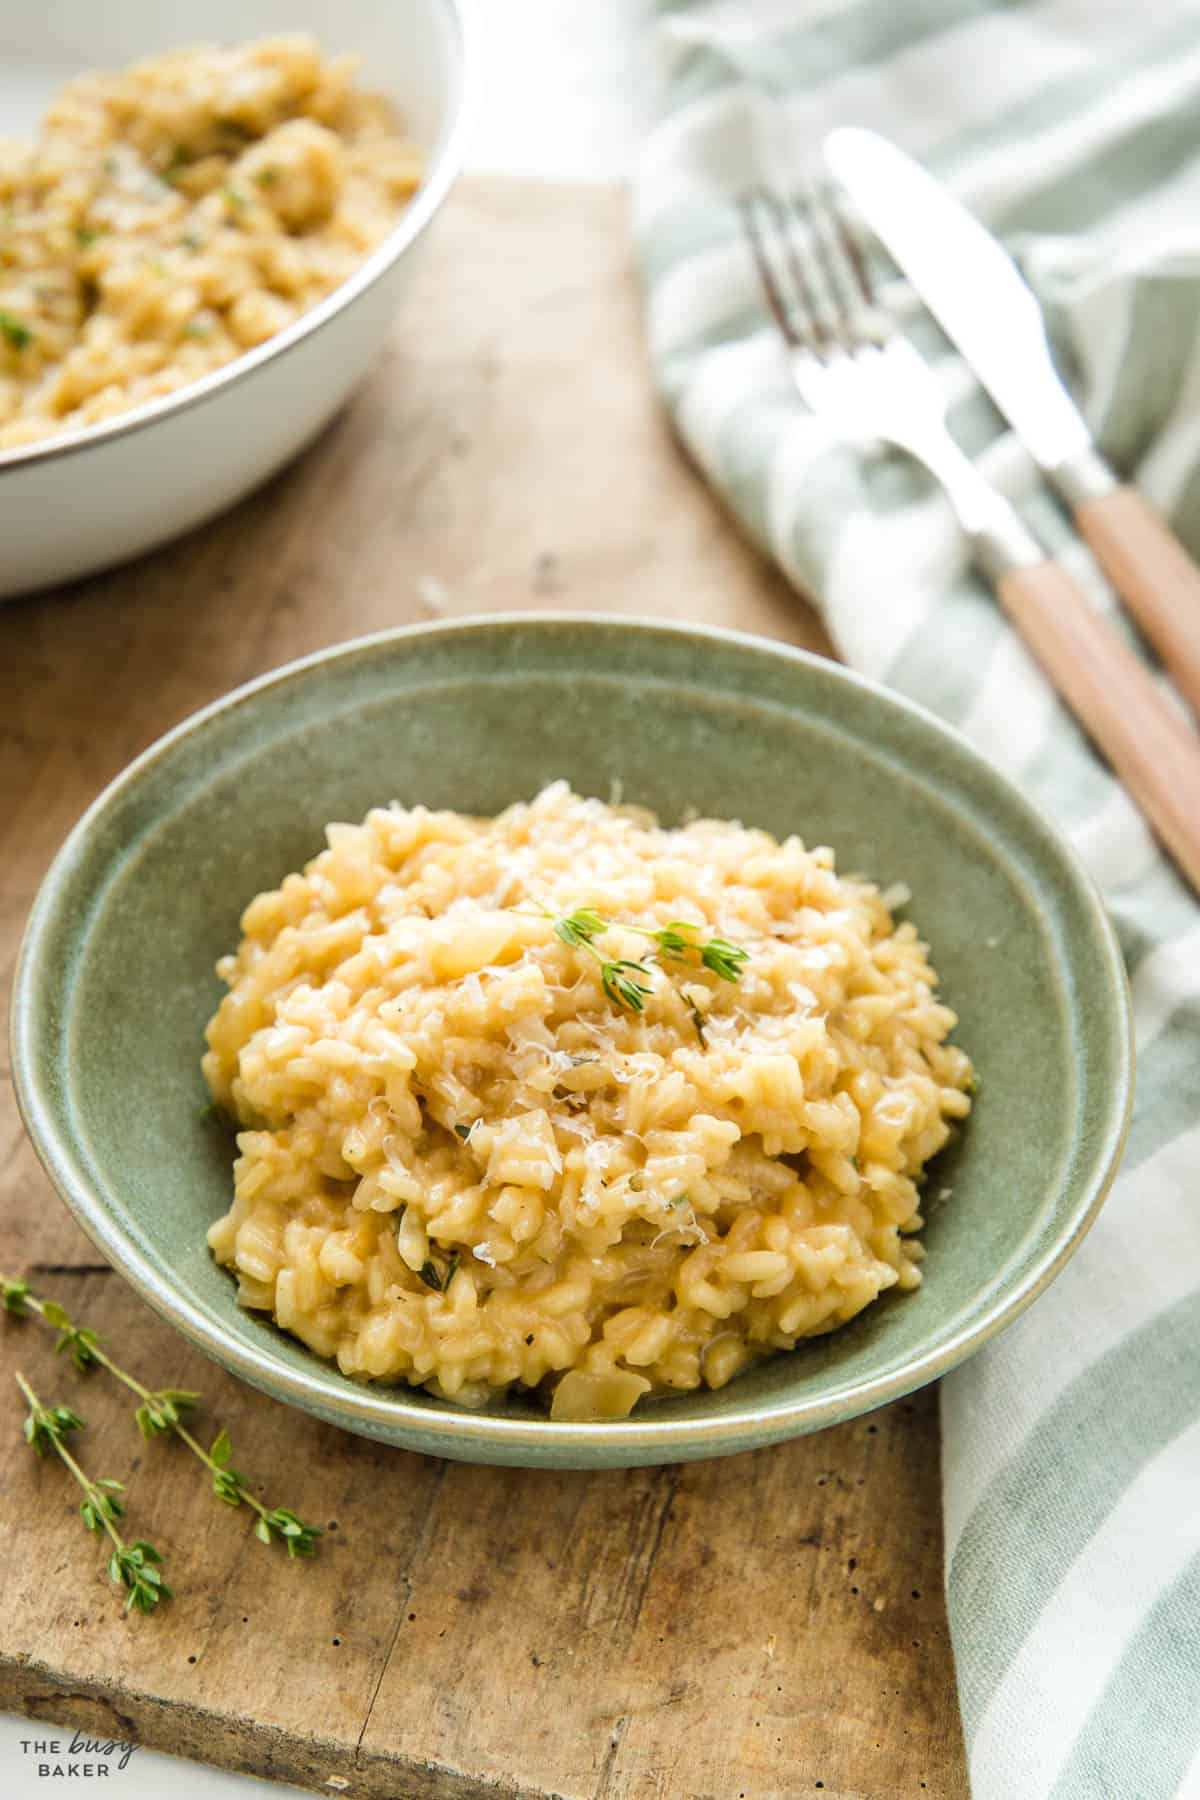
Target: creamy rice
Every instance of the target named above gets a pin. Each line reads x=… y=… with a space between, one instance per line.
x=463 y=1164
x=170 y=216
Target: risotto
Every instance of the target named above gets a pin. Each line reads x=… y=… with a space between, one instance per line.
x=567 y=1101
x=171 y=216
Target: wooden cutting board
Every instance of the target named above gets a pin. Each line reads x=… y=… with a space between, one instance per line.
x=768 y=1625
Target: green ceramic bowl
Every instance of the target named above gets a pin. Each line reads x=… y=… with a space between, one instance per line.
x=116 y=979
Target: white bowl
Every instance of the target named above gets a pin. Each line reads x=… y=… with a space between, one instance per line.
x=87 y=499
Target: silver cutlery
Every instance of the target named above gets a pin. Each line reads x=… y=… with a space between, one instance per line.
x=974 y=290
x=853 y=367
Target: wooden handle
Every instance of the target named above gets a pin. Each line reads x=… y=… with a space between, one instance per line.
x=1154 y=575
x=1151 y=748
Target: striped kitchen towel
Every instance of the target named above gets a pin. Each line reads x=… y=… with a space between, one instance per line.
x=1072 y=1444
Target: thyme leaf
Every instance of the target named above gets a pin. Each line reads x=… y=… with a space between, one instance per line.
x=14 y=331
x=697 y=1020
x=580 y=927
x=723 y=958
x=14 y=1297
x=624 y=988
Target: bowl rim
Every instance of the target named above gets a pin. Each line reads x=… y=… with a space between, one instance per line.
x=413 y=221
x=388 y=1413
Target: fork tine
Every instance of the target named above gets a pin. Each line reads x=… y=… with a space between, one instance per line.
x=839 y=270
x=852 y=246
x=818 y=330
x=799 y=317
x=772 y=291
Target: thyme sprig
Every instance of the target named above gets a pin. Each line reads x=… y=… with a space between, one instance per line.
x=230 y=1487
x=161 y=1411
x=677 y=942
x=620 y=978
x=135 y=1567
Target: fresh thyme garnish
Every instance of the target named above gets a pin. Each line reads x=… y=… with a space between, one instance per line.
x=697 y=1019
x=278 y=1521
x=619 y=978
x=281 y=1521
x=14 y=331
x=433 y=1277
x=46 y=1426
x=672 y=940
x=161 y=1411
x=624 y=988
x=134 y=1567
x=580 y=927
x=14 y=1296
x=678 y=942
x=723 y=958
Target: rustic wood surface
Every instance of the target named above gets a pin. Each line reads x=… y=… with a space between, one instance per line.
x=763 y=1626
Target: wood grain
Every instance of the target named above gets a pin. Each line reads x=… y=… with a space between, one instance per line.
x=768 y=1625
x=1152 y=749
x=1154 y=574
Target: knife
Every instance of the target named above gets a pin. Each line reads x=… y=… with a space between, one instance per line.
x=974 y=290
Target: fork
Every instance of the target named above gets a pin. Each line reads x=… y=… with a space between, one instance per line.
x=854 y=368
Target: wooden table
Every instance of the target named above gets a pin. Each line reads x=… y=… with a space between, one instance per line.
x=767 y=1625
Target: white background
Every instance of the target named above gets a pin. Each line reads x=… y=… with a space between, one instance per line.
x=564 y=92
